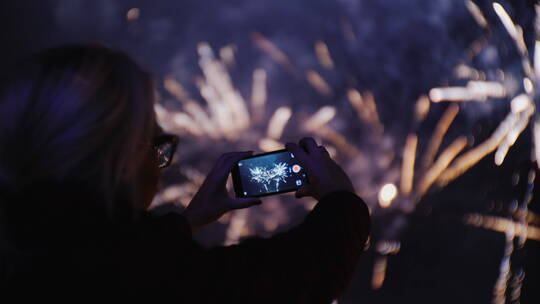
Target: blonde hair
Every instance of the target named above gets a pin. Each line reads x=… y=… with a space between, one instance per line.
x=77 y=114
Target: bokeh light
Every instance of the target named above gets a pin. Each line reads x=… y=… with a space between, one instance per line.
x=423 y=103
x=387 y=194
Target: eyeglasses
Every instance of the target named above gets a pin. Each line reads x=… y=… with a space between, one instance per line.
x=165 y=146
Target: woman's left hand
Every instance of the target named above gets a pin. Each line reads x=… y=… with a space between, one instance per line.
x=212 y=199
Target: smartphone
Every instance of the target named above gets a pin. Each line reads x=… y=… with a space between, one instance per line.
x=266 y=174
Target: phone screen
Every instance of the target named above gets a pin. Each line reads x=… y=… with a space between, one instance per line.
x=269 y=173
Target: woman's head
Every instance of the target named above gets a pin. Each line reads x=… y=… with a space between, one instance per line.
x=80 y=114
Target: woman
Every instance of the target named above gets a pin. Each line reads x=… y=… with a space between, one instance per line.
x=80 y=156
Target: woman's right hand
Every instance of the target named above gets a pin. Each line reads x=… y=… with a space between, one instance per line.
x=324 y=174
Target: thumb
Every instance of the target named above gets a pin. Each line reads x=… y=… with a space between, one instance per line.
x=302 y=192
x=240 y=203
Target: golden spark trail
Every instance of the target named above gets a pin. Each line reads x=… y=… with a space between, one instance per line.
x=469 y=159
x=366 y=108
x=317 y=81
x=175 y=88
x=533 y=218
x=201 y=118
x=440 y=164
x=438 y=135
x=407 y=167
x=269 y=144
x=220 y=113
x=226 y=54
x=258 y=94
x=476 y=13
x=219 y=80
x=278 y=121
x=523 y=107
x=323 y=54
x=184 y=122
x=268 y=47
x=355 y=98
x=320 y=118
x=473 y=156
x=516 y=33
x=476 y=47
x=463 y=71
x=537 y=57
x=317 y=124
x=379 y=272
x=337 y=139
x=179 y=122
x=192 y=108
x=421 y=109
x=369 y=101
x=501 y=224
x=474 y=91
x=384 y=248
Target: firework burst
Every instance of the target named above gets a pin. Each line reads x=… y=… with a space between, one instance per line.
x=391 y=177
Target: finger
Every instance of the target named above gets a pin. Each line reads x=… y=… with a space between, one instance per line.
x=228 y=159
x=234 y=155
x=296 y=151
x=240 y=203
x=302 y=192
x=224 y=165
x=309 y=144
x=323 y=150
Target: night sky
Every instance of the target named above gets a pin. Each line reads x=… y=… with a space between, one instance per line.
x=398 y=51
